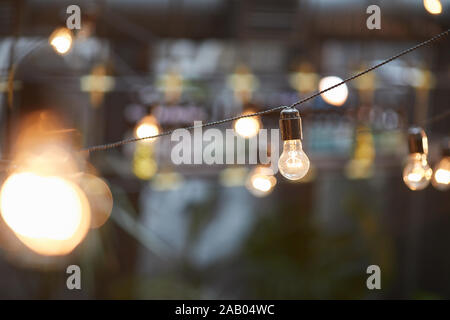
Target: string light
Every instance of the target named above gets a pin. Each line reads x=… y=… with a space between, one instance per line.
x=247 y=127
x=441 y=177
x=293 y=162
x=147 y=127
x=49 y=214
x=61 y=40
x=261 y=181
x=264 y=112
x=417 y=173
x=52 y=195
x=336 y=96
x=433 y=6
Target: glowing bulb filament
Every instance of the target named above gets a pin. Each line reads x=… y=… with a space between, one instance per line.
x=293 y=162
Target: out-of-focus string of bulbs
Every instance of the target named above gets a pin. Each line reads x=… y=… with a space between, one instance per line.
x=293 y=162
x=65 y=198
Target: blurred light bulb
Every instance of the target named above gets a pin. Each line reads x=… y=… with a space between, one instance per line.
x=293 y=162
x=49 y=214
x=336 y=96
x=247 y=127
x=441 y=178
x=147 y=127
x=433 y=6
x=261 y=181
x=417 y=173
x=61 y=40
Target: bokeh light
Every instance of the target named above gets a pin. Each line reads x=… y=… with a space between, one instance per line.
x=247 y=127
x=433 y=6
x=61 y=40
x=148 y=126
x=49 y=214
x=261 y=181
x=441 y=178
x=336 y=96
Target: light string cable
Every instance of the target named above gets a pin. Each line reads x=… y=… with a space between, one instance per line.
x=270 y=110
x=436 y=118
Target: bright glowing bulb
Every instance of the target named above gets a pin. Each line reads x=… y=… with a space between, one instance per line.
x=247 y=127
x=417 y=173
x=261 y=181
x=49 y=214
x=147 y=127
x=433 y=6
x=336 y=96
x=293 y=162
x=61 y=40
x=441 y=178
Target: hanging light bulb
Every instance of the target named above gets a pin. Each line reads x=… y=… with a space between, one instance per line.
x=148 y=126
x=261 y=181
x=42 y=201
x=61 y=40
x=336 y=96
x=293 y=162
x=433 y=6
x=441 y=177
x=53 y=219
x=247 y=127
x=417 y=173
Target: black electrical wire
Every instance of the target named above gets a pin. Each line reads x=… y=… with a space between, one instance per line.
x=213 y=123
x=436 y=118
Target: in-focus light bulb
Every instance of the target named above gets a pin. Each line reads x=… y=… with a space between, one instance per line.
x=293 y=162
x=247 y=127
x=336 y=96
x=417 y=173
x=61 y=40
x=433 y=6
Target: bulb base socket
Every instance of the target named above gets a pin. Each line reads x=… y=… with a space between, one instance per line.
x=417 y=140
x=290 y=124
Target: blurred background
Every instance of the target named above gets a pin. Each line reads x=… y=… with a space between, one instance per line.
x=202 y=231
